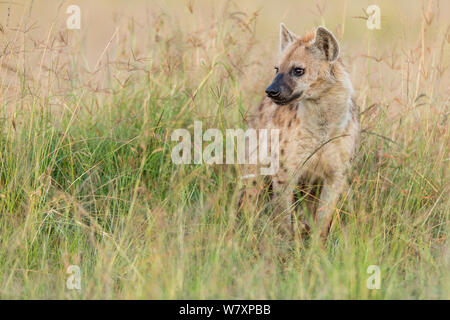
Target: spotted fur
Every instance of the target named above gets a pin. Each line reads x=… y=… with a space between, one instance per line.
x=319 y=130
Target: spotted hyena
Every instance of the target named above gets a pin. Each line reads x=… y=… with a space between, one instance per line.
x=310 y=102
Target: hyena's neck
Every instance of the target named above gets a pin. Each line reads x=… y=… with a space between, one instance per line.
x=330 y=112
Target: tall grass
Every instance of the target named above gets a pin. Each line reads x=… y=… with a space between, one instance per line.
x=86 y=176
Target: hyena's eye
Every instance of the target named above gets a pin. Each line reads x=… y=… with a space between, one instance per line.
x=298 y=71
x=276 y=69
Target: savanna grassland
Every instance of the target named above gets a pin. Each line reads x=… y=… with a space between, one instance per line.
x=86 y=176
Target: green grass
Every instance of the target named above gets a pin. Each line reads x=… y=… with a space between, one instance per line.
x=86 y=179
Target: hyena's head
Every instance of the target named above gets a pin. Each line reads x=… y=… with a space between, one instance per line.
x=305 y=68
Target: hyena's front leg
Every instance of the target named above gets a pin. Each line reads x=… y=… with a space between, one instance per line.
x=283 y=198
x=329 y=196
x=253 y=186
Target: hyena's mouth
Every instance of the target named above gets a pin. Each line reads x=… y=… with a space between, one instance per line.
x=283 y=102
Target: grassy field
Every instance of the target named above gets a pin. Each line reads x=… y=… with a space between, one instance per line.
x=86 y=176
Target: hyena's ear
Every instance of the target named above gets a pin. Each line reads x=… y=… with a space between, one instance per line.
x=327 y=44
x=286 y=37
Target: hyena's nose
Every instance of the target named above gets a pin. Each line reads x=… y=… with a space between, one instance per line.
x=272 y=92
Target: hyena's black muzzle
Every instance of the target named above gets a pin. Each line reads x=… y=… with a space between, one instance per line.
x=279 y=90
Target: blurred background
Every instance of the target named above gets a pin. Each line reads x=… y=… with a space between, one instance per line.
x=400 y=20
x=409 y=40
